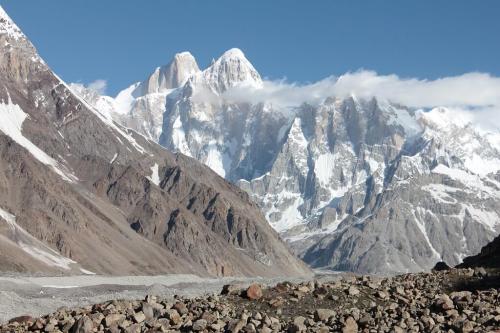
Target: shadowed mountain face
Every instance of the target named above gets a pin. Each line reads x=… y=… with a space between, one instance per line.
x=79 y=193
x=488 y=257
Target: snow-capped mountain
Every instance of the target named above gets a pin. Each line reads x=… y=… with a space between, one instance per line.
x=231 y=69
x=141 y=106
x=353 y=184
x=80 y=193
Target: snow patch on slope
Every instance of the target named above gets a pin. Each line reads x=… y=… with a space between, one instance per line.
x=421 y=226
x=125 y=99
x=486 y=218
x=298 y=144
x=179 y=137
x=9 y=218
x=33 y=246
x=323 y=167
x=470 y=180
x=155 y=177
x=441 y=192
x=217 y=161
x=480 y=165
x=290 y=216
x=442 y=118
x=11 y=125
x=401 y=117
x=86 y=272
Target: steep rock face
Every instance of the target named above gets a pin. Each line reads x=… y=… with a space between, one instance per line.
x=352 y=184
x=80 y=193
x=359 y=185
x=171 y=76
x=409 y=199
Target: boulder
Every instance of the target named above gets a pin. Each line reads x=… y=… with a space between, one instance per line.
x=83 y=325
x=254 y=292
x=441 y=266
x=350 y=326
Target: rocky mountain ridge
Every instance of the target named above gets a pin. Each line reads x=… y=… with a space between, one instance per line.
x=80 y=193
x=352 y=183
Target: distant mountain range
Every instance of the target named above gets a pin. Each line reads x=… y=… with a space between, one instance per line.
x=351 y=183
x=355 y=184
x=82 y=194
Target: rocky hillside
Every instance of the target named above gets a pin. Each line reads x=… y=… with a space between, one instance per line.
x=82 y=194
x=353 y=184
x=408 y=303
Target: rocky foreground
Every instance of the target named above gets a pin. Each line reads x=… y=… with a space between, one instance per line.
x=456 y=300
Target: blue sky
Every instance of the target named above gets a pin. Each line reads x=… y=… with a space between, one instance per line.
x=304 y=41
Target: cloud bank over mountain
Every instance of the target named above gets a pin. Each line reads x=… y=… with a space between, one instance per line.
x=474 y=96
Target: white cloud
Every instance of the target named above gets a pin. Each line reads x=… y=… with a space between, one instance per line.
x=99 y=86
x=472 y=90
x=283 y=93
x=478 y=93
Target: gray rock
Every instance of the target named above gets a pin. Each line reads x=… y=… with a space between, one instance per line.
x=139 y=317
x=324 y=314
x=353 y=291
x=148 y=311
x=114 y=319
x=83 y=325
x=199 y=325
x=350 y=326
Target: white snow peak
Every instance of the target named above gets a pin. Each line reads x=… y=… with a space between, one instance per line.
x=230 y=70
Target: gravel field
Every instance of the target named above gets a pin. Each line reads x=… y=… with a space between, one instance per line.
x=37 y=295
x=449 y=300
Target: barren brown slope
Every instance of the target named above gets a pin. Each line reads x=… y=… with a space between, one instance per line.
x=106 y=199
